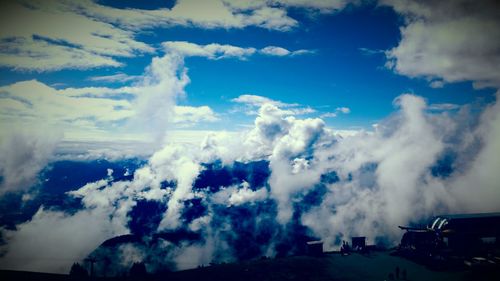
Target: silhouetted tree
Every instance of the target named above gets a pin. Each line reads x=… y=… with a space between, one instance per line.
x=138 y=270
x=77 y=270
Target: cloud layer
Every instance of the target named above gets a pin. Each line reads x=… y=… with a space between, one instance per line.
x=310 y=185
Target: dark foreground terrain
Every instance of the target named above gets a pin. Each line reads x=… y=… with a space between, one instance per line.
x=373 y=266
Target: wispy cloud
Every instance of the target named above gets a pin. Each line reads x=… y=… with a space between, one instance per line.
x=119 y=77
x=256 y=100
x=443 y=106
x=211 y=51
x=217 y=51
x=282 y=52
x=371 y=52
x=343 y=110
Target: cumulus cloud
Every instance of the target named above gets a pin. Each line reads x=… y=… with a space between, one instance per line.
x=52 y=241
x=24 y=155
x=34 y=100
x=239 y=195
x=392 y=179
x=298 y=142
x=31 y=104
x=362 y=184
x=173 y=162
x=477 y=188
x=449 y=40
x=164 y=81
x=386 y=177
x=251 y=103
x=192 y=114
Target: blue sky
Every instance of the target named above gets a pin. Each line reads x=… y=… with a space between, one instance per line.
x=344 y=64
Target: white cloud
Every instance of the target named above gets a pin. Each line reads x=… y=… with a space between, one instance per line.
x=449 y=40
x=395 y=192
x=32 y=105
x=164 y=81
x=349 y=133
x=436 y=84
x=217 y=14
x=52 y=241
x=38 y=55
x=270 y=14
x=191 y=114
x=24 y=155
x=443 y=106
x=370 y=52
x=211 y=51
x=216 y=51
x=100 y=112
x=118 y=77
x=49 y=35
x=328 y=115
x=174 y=163
x=477 y=188
x=246 y=195
x=253 y=102
x=239 y=195
x=321 y=5
x=385 y=179
x=81 y=149
x=282 y=52
x=287 y=179
x=60 y=34
x=343 y=110
x=303 y=110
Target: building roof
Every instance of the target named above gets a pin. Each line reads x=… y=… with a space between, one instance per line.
x=485 y=223
x=469 y=216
